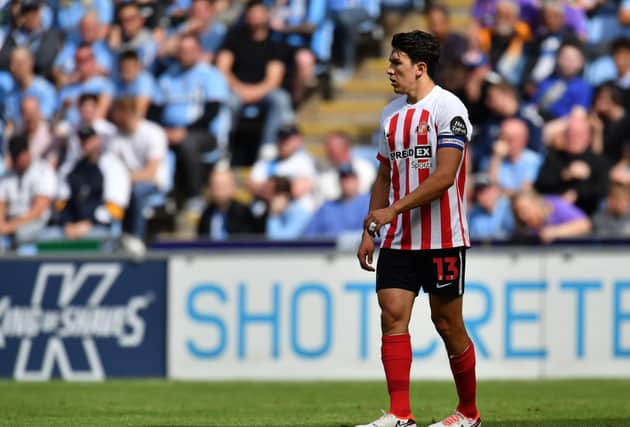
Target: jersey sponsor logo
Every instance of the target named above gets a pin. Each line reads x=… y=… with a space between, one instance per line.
x=417 y=152
x=423 y=164
x=69 y=326
x=458 y=126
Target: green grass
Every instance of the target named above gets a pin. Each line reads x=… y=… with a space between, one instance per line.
x=576 y=403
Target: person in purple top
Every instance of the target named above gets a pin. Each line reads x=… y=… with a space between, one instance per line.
x=548 y=217
x=484 y=12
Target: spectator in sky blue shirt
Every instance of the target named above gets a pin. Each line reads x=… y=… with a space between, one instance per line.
x=201 y=22
x=132 y=34
x=344 y=214
x=89 y=81
x=288 y=217
x=70 y=12
x=491 y=214
x=90 y=34
x=192 y=95
x=512 y=165
x=27 y=84
x=299 y=24
x=134 y=81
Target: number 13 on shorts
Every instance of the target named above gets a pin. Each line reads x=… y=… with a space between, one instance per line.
x=446 y=268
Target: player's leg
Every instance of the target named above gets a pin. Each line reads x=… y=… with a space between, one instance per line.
x=396 y=306
x=395 y=275
x=446 y=299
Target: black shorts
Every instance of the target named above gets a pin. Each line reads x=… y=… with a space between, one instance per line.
x=436 y=271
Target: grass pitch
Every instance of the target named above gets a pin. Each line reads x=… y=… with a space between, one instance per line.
x=579 y=403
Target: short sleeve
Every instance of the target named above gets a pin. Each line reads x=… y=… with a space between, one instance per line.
x=260 y=171
x=454 y=128
x=105 y=11
x=47 y=182
x=316 y=12
x=217 y=88
x=146 y=86
x=230 y=43
x=159 y=144
x=383 y=147
x=107 y=87
x=3 y=190
x=47 y=99
x=117 y=186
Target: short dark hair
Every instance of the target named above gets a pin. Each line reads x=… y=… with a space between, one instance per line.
x=88 y=96
x=573 y=42
x=612 y=89
x=17 y=145
x=419 y=46
x=253 y=3
x=621 y=43
x=281 y=185
x=128 y=54
x=131 y=3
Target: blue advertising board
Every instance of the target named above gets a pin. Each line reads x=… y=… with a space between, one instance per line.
x=87 y=320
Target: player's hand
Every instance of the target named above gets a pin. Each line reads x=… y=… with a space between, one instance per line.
x=366 y=252
x=378 y=218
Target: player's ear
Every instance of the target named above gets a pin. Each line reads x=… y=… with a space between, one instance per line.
x=420 y=68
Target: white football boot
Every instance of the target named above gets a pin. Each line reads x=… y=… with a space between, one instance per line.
x=457 y=419
x=390 y=420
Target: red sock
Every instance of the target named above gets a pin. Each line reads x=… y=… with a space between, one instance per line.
x=463 y=368
x=396 y=357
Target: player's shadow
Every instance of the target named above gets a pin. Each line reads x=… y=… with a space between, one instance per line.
x=562 y=422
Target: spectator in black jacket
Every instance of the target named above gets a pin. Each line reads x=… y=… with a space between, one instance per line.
x=573 y=170
x=253 y=64
x=611 y=123
x=224 y=216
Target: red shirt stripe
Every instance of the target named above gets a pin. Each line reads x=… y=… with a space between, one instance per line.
x=405 y=242
x=461 y=185
x=395 y=179
x=445 y=221
x=423 y=174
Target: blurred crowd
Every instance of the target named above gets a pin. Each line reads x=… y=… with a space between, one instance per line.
x=113 y=111
x=548 y=88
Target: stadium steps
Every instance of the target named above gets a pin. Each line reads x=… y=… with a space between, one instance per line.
x=357 y=104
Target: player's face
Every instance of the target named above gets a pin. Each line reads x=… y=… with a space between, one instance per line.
x=402 y=72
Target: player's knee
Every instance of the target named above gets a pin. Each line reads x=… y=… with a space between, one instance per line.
x=393 y=321
x=446 y=327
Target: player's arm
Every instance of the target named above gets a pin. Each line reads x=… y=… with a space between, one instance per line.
x=379 y=198
x=447 y=163
x=380 y=189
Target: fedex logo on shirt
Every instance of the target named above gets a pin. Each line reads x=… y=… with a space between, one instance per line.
x=417 y=152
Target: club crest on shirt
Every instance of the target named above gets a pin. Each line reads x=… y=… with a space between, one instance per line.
x=422 y=128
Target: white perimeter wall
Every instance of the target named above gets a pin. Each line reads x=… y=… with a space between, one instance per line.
x=306 y=315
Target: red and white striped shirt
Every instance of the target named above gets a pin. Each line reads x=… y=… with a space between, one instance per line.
x=411 y=134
